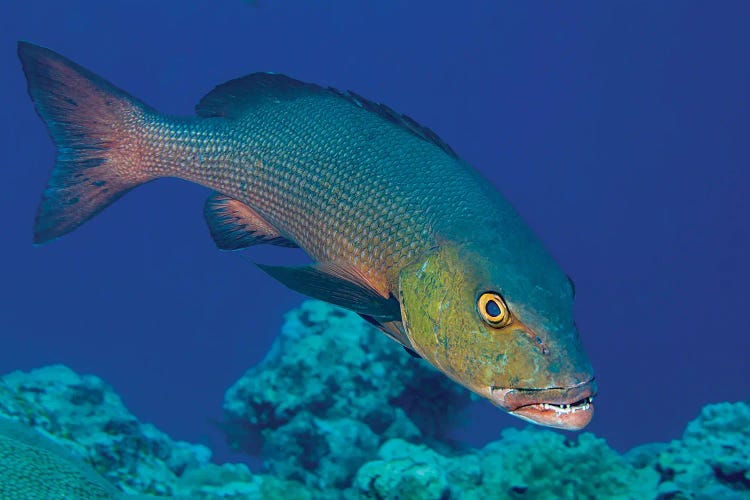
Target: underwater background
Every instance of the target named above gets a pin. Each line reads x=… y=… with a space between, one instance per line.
x=619 y=130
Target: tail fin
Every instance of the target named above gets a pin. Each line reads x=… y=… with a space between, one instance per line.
x=94 y=126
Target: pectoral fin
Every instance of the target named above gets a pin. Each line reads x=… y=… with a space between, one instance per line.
x=394 y=329
x=234 y=225
x=412 y=353
x=320 y=283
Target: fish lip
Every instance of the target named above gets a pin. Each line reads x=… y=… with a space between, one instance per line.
x=568 y=408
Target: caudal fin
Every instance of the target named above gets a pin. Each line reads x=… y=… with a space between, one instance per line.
x=95 y=127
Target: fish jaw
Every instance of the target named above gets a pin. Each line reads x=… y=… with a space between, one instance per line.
x=568 y=408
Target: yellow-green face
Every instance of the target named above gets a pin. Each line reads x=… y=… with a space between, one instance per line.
x=503 y=328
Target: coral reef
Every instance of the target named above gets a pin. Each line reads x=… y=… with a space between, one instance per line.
x=531 y=463
x=712 y=460
x=330 y=391
x=83 y=415
x=339 y=411
x=407 y=470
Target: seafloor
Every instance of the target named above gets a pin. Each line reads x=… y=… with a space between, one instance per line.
x=336 y=410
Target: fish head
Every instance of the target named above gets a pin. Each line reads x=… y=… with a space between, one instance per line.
x=503 y=328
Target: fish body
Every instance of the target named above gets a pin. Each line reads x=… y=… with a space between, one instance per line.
x=401 y=230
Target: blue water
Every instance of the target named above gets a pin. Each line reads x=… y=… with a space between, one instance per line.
x=618 y=129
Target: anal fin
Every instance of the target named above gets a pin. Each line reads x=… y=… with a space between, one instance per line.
x=319 y=283
x=234 y=225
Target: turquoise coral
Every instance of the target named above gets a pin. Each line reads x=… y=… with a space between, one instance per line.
x=330 y=391
x=531 y=463
x=83 y=415
x=236 y=482
x=407 y=470
x=87 y=416
x=712 y=460
x=544 y=464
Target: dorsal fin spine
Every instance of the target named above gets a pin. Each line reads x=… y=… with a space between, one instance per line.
x=231 y=99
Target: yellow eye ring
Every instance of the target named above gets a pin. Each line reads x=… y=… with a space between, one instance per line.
x=493 y=310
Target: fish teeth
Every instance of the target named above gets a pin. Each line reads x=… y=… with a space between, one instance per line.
x=568 y=408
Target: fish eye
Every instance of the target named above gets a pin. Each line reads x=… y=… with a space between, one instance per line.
x=493 y=310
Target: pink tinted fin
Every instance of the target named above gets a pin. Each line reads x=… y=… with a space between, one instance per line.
x=234 y=225
x=317 y=283
x=92 y=124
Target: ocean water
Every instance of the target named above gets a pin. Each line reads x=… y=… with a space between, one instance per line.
x=619 y=130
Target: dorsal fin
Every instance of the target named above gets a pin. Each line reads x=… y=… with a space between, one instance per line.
x=234 y=225
x=231 y=99
x=404 y=121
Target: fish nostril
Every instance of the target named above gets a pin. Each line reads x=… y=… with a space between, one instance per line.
x=537 y=340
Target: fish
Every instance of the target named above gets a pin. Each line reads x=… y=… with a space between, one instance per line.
x=399 y=228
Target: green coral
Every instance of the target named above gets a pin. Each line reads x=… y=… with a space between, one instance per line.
x=32 y=466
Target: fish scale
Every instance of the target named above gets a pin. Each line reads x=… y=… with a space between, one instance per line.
x=339 y=195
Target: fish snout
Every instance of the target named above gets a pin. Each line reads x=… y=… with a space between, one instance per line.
x=569 y=408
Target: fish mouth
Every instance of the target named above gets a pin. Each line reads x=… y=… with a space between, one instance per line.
x=569 y=408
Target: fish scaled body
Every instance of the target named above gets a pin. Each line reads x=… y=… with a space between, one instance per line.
x=401 y=230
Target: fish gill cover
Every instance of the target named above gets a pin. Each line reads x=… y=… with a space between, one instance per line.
x=321 y=435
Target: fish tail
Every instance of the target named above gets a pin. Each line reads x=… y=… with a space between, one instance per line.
x=98 y=131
